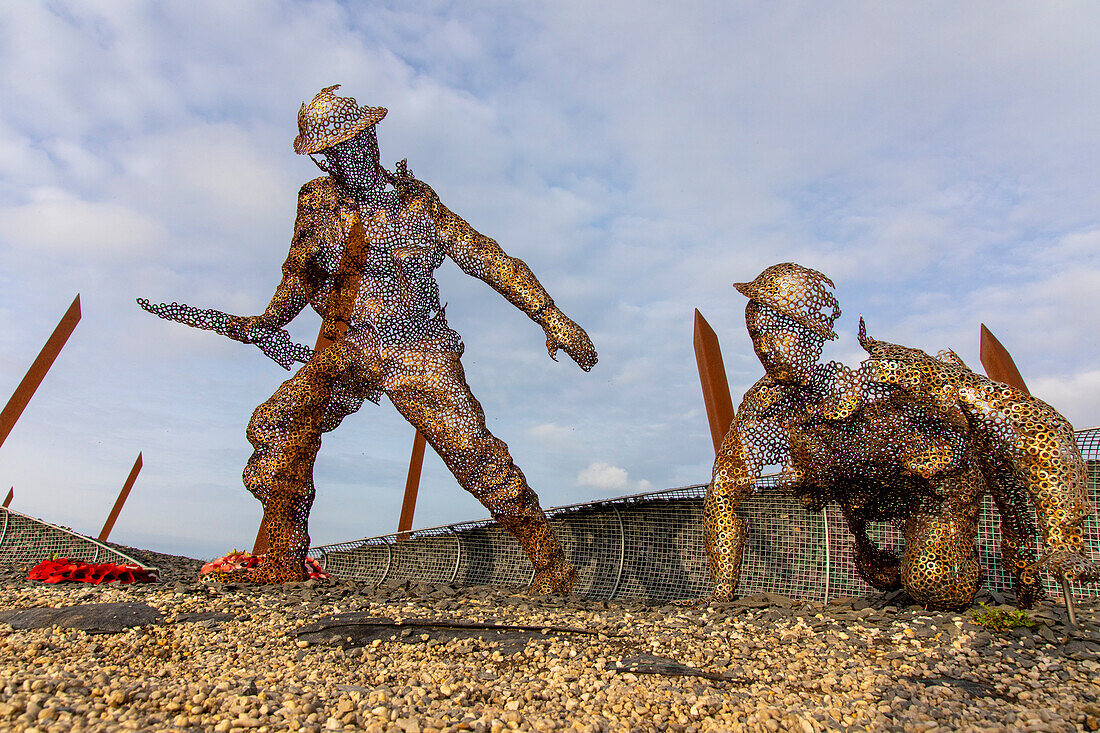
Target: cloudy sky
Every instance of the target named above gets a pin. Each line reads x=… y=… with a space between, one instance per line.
x=938 y=160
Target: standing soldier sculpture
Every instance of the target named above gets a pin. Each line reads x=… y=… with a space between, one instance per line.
x=909 y=438
x=366 y=243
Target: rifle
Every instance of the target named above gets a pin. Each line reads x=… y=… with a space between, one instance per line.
x=275 y=344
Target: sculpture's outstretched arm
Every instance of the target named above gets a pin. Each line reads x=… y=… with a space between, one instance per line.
x=481 y=257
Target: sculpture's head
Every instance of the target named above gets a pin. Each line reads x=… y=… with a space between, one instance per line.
x=790 y=315
x=342 y=131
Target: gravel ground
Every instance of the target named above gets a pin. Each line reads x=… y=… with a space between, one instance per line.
x=760 y=664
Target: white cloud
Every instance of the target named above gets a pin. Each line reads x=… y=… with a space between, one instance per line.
x=604 y=476
x=1077 y=396
x=58 y=221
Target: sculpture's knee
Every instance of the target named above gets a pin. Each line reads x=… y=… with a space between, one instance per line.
x=263 y=427
x=283 y=458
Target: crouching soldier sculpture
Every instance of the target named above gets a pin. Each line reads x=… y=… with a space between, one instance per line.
x=908 y=437
x=365 y=245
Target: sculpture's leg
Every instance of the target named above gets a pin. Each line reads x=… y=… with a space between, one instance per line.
x=941 y=568
x=1017 y=543
x=286 y=434
x=723 y=530
x=429 y=389
x=880 y=568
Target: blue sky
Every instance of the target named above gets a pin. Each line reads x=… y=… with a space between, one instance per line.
x=937 y=160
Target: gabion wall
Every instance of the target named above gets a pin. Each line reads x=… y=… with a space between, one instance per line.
x=26 y=542
x=650 y=547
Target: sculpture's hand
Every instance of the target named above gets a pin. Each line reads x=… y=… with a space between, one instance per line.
x=1071 y=566
x=562 y=333
x=249 y=329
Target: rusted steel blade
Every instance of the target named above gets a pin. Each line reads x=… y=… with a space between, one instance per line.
x=41 y=365
x=412 y=484
x=324 y=341
x=998 y=363
x=263 y=542
x=8 y=498
x=110 y=523
x=712 y=376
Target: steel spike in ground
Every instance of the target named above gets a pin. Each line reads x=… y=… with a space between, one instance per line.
x=41 y=365
x=998 y=362
x=259 y=547
x=110 y=523
x=412 y=484
x=712 y=376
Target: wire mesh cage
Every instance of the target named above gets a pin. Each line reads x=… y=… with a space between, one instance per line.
x=650 y=547
x=25 y=542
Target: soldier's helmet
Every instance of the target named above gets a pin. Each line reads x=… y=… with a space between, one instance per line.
x=329 y=120
x=803 y=295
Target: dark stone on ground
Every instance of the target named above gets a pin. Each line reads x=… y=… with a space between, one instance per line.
x=650 y=664
x=171 y=568
x=352 y=630
x=95 y=618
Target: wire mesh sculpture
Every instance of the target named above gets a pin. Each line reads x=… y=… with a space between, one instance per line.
x=365 y=245
x=909 y=438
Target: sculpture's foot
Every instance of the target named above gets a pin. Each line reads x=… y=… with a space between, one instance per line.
x=269 y=572
x=558 y=577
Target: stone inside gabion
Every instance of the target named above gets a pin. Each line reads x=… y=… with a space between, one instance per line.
x=909 y=438
x=365 y=246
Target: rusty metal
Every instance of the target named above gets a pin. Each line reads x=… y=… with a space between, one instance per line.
x=999 y=366
x=263 y=542
x=908 y=438
x=365 y=247
x=712 y=377
x=8 y=498
x=122 y=495
x=412 y=484
x=998 y=362
x=1067 y=597
x=274 y=343
x=37 y=372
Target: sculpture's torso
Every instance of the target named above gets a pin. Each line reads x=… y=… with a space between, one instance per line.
x=370 y=264
x=873 y=453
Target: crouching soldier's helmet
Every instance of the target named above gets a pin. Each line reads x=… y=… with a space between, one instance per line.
x=329 y=120
x=803 y=295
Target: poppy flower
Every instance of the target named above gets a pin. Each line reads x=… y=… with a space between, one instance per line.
x=64 y=569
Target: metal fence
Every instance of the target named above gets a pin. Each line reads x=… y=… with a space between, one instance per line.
x=650 y=547
x=25 y=541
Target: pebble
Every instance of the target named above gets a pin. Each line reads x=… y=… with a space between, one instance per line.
x=766 y=663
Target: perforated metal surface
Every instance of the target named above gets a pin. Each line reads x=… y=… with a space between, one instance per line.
x=25 y=542
x=364 y=252
x=650 y=547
